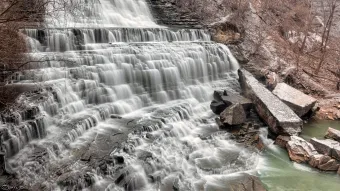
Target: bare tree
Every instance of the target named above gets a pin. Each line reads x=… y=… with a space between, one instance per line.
x=329 y=7
x=15 y=15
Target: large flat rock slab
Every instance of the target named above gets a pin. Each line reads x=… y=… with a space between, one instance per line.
x=327 y=147
x=281 y=119
x=299 y=102
x=238 y=99
x=324 y=146
x=333 y=134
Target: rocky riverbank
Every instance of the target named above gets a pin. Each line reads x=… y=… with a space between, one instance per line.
x=281 y=111
x=322 y=154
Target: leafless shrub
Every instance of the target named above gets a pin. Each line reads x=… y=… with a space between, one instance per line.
x=18 y=14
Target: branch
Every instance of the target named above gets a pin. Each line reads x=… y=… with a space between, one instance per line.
x=8 y=8
x=313 y=75
x=39 y=61
x=334 y=73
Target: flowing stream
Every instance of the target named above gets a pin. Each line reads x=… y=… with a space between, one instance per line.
x=123 y=104
x=277 y=172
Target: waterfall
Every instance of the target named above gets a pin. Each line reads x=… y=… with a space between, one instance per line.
x=101 y=13
x=123 y=104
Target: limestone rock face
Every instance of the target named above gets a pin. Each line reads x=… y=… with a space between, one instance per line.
x=300 y=150
x=233 y=115
x=299 y=102
x=282 y=141
x=324 y=146
x=280 y=118
x=333 y=134
x=167 y=12
x=324 y=162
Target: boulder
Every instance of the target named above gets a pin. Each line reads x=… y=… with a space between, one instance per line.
x=300 y=150
x=75 y=180
x=324 y=146
x=314 y=161
x=245 y=182
x=271 y=80
x=219 y=93
x=233 y=115
x=218 y=107
x=336 y=152
x=280 y=118
x=231 y=99
x=329 y=165
x=299 y=102
x=249 y=136
x=218 y=122
x=333 y=134
x=324 y=162
x=237 y=181
x=115 y=117
x=282 y=141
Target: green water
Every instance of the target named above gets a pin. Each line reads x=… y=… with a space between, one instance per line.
x=318 y=129
x=278 y=173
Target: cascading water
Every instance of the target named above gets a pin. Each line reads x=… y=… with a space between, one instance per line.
x=101 y=13
x=159 y=80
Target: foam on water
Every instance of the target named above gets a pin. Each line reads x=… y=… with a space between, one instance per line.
x=101 y=13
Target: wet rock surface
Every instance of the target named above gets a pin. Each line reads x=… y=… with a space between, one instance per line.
x=300 y=150
x=336 y=152
x=324 y=146
x=238 y=99
x=239 y=118
x=282 y=141
x=218 y=107
x=232 y=98
x=279 y=117
x=223 y=99
x=333 y=134
x=233 y=115
x=324 y=162
x=250 y=133
x=299 y=102
x=219 y=93
x=242 y=182
x=75 y=180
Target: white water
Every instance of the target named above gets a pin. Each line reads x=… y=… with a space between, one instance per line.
x=102 y=13
x=162 y=77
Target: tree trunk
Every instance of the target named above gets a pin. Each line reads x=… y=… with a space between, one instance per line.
x=325 y=36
